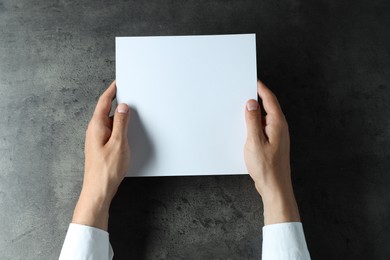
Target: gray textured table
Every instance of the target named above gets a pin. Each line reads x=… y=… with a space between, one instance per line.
x=328 y=62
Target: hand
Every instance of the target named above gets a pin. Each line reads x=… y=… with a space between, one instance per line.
x=267 y=157
x=107 y=157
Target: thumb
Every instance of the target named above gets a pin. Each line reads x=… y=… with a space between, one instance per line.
x=253 y=121
x=121 y=122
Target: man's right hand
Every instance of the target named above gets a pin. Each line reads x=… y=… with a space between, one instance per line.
x=267 y=157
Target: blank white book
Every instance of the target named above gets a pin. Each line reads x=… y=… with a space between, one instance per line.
x=187 y=96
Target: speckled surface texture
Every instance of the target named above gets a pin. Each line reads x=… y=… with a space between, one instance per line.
x=327 y=61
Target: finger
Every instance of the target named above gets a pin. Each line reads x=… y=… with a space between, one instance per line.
x=269 y=100
x=274 y=120
x=254 y=121
x=121 y=122
x=103 y=106
x=111 y=121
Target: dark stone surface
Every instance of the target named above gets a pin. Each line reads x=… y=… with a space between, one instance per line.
x=327 y=61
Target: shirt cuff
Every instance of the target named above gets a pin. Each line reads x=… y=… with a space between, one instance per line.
x=284 y=241
x=85 y=242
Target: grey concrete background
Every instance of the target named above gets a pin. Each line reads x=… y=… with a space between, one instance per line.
x=327 y=61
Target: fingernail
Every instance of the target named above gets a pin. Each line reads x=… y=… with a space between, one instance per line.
x=251 y=105
x=122 y=108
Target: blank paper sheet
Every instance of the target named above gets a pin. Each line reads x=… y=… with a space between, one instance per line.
x=187 y=95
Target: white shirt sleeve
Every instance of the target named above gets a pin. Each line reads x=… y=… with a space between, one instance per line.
x=284 y=241
x=85 y=242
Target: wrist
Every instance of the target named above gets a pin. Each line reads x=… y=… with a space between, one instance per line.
x=92 y=209
x=280 y=206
